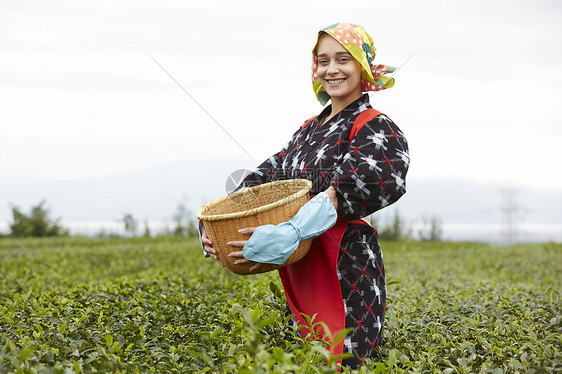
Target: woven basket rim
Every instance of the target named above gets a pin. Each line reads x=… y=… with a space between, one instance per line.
x=217 y=217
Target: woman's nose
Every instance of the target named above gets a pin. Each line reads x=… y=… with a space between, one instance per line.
x=333 y=68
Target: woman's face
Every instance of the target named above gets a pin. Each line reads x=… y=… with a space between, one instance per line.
x=339 y=72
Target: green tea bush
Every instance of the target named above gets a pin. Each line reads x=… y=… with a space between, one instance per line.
x=73 y=305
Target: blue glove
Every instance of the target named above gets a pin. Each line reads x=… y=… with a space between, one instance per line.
x=274 y=244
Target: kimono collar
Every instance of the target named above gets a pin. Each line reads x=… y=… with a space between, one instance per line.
x=359 y=44
x=363 y=101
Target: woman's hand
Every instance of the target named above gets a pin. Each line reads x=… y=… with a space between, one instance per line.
x=331 y=192
x=207 y=246
x=241 y=243
x=274 y=244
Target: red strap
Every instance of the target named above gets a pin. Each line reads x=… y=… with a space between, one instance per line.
x=364 y=117
x=307 y=122
x=361 y=120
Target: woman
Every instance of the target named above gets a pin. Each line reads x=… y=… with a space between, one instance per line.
x=357 y=159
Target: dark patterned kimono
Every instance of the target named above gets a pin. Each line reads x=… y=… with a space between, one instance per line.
x=342 y=277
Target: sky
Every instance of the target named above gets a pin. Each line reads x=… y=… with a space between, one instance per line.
x=91 y=123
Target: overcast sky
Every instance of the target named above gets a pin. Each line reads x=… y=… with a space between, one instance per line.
x=80 y=98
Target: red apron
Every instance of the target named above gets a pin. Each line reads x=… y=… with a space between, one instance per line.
x=312 y=286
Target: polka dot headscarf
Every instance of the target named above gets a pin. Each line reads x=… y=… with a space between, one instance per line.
x=359 y=44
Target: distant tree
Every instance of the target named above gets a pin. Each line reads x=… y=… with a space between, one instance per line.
x=147 y=233
x=37 y=223
x=130 y=224
x=192 y=229
x=431 y=229
x=395 y=230
x=184 y=225
x=179 y=218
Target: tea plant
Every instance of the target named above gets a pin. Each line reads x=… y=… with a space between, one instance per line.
x=73 y=305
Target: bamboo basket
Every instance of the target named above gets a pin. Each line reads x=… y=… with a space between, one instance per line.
x=269 y=203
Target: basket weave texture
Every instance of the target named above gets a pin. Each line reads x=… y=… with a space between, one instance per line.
x=269 y=203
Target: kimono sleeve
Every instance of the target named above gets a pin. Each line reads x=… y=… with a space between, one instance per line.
x=372 y=174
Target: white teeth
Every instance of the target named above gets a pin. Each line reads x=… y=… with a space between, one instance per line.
x=335 y=81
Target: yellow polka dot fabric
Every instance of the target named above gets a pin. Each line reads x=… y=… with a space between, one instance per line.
x=359 y=43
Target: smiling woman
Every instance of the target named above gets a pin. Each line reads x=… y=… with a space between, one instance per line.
x=357 y=160
x=339 y=73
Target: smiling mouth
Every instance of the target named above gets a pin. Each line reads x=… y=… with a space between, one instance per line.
x=335 y=81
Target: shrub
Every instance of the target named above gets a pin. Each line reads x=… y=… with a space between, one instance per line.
x=37 y=223
x=432 y=230
x=184 y=225
x=395 y=230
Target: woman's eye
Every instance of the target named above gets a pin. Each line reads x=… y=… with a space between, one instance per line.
x=344 y=59
x=323 y=62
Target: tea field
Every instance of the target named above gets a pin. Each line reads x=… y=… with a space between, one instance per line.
x=77 y=305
